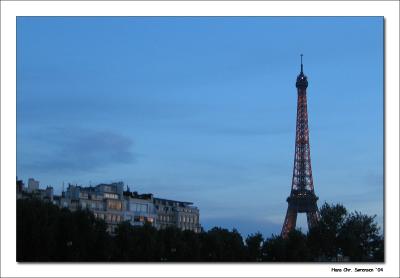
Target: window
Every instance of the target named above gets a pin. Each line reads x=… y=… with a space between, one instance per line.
x=149 y=219
x=114 y=204
x=110 y=196
x=138 y=207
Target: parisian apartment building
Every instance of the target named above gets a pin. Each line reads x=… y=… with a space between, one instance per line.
x=114 y=205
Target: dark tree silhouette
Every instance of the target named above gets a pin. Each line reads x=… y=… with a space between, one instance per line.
x=254 y=244
x=323 y=238
x=339 y=234
x=274 y=249
x=222 y=245
x=291 y=249
x=359 y=237
x=47 y=233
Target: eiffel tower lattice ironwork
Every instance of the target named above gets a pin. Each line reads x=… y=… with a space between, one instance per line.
x=302 y=198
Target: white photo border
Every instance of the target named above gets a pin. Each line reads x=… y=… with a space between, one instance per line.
x=9 y=12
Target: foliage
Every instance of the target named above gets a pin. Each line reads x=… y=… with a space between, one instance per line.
x=323 y=238
x=222 y=245
x=359 y=237
x=254 y=244
x=274 y=249
x=47 y=233
x=291 y=249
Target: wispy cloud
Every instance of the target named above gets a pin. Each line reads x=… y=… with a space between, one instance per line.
x=75 y=150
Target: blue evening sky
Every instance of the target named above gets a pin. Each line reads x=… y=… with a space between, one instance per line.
x=203 y=109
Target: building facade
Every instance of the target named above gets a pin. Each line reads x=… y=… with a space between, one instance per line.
x=33 y=190
x=114 y=205
x=177 y=214
x=110 y=203
x=33 y=185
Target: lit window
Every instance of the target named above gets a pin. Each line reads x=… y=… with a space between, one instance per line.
x=110 y=196
x=114 y=204
x=149 y=219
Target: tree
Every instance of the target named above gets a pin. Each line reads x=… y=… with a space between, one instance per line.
x=135 y=243
x=171 y=246
x=274 y=249
x=223 y=245
x=191 y=246
x=36 y=227
x=123 y=242
x=323 y=238
x=378 y=249
x=254 y=246
x=339 y=233
x=47 y=233
x=291 y=249
x=297 y=249
x=359 y=237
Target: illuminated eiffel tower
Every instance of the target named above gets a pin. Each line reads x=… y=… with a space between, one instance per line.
x=302 y=198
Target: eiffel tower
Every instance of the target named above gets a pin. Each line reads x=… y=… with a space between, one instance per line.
x=302 y=198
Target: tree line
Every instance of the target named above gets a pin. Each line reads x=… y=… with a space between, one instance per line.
x=46 y=233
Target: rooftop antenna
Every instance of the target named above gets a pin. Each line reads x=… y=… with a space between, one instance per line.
x=301 y=59
x=63 y=187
